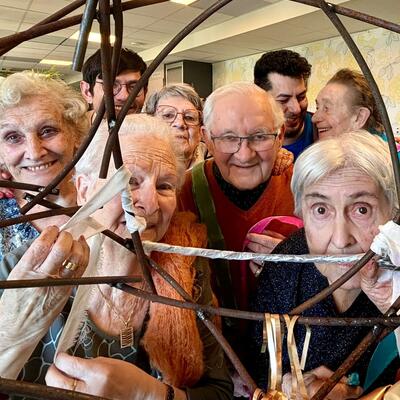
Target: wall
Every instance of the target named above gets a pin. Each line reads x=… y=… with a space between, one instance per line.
x=380 y=48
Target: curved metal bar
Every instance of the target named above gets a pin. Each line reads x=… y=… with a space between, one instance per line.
x=347 y=12
x=152 y=67
x=84 y=31
x=42 y=392
x=9 y=42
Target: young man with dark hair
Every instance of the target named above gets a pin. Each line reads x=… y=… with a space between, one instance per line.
x=284 y=73
x=131 y=68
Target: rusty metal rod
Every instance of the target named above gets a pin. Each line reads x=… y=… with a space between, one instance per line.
x=50 y=282
x=86 y=25
x=377 y=333
x=42 y=392
x=26 y=186
x=9 y=42
x=156 y=62
x=347 y=12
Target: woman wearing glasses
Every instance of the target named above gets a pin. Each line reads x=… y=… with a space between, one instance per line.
x=181 y=107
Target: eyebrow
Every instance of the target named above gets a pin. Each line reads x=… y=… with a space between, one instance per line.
x=354 y=196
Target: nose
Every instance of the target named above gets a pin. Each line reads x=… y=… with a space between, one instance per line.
x=34 y=148
x=317 y=116
x=294 y=106
x=179 y=122
x=122 y=95
x=147 y=199
x=245 y=152
x=342 y=236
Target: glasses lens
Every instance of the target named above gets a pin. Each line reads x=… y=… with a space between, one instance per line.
x=227 y=144
x=168 y=114
x=117 y=87
x=261 y=142
x=191 y=117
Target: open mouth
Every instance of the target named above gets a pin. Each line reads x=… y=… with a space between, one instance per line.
x=35 y=168
x=323 y=130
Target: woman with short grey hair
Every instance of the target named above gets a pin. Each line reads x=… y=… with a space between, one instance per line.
x=181 y=107
x=343 y=189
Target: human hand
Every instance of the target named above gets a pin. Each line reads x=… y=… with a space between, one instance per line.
x=5 y=193
x=27 y=313
x=315 y=378
x=378 y=285
x=106 y=377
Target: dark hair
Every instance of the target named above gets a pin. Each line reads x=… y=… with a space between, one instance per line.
x=361 y=96
x=283 y=62
x=129 y=60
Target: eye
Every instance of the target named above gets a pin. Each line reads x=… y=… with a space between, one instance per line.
x=168 y=115
x=282 y=101
x=134 y=183
x=13 y=138
x=259 y=137
x=165 y=186
x=321 y=210
x=362 y=210
x=229 y=138
x=190 y=118
x=48 y=131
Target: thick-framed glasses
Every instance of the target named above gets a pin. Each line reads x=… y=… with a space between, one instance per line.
x=169 y=114
x=117 y=87
x=230 y=143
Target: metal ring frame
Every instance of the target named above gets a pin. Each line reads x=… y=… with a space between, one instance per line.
x=110 y=58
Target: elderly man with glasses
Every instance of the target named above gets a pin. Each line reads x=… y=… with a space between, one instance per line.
x=247 y=180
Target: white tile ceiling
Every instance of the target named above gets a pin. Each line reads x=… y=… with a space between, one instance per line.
x=149 y=27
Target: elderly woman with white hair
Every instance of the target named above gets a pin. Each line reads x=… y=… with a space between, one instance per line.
x=42 y=122
x=343 y=189
x=181 y=107
x=168 y=353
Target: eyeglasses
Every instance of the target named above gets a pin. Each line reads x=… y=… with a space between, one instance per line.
x=117 y=87
x=230 y=144
x=169 y=114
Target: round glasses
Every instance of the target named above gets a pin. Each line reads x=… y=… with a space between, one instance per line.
x=229 y=143
x=169 y=114
x=117 y=87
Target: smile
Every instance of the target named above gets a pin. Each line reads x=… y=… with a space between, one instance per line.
x=322 y=130
x=40 y=167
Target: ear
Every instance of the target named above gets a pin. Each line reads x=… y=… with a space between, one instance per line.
x=361 y=117
x=85 y=91
x=83 y=185
x=207 y=140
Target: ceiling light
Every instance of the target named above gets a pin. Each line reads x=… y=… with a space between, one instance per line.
x=185 y=2
x=55 y=62
x=93 y=37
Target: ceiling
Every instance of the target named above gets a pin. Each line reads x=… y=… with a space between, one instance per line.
x=241 y=28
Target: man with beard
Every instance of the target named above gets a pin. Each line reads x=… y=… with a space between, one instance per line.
x=284 y=74
x=131 y=67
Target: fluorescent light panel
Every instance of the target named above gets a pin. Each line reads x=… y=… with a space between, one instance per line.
x=93 y=37
x=55 y=62
x=185 y=2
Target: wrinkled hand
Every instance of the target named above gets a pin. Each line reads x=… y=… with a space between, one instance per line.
x=106 y=377
x=315 y=378
x=5 y=193
x=378 y=286
x=27 y=313
x=262 y=243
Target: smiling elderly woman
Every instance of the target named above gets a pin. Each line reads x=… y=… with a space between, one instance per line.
x=167 y=343
x=343 y=189
x=42 y=122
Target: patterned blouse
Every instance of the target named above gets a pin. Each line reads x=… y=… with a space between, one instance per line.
x=11 y=237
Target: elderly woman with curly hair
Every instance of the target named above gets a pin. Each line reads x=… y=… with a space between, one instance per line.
x=42 y=122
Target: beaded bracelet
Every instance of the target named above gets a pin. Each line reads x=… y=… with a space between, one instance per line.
x=170 y=394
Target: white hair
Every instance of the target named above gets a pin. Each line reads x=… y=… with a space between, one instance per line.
x=139 y=126
x=241 y=89
x=358 y=149
x=16 y=87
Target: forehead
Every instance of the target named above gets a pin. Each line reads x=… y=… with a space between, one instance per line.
x=148 y=153
x=348 y=183
x=237 y=112
x=286 y=84
x=40 y=107
x=334 y=93
x=128 y=75
x=178 y=102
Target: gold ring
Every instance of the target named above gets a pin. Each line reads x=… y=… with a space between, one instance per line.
x=258 y=272
x=74 y=384
x=71 y=266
